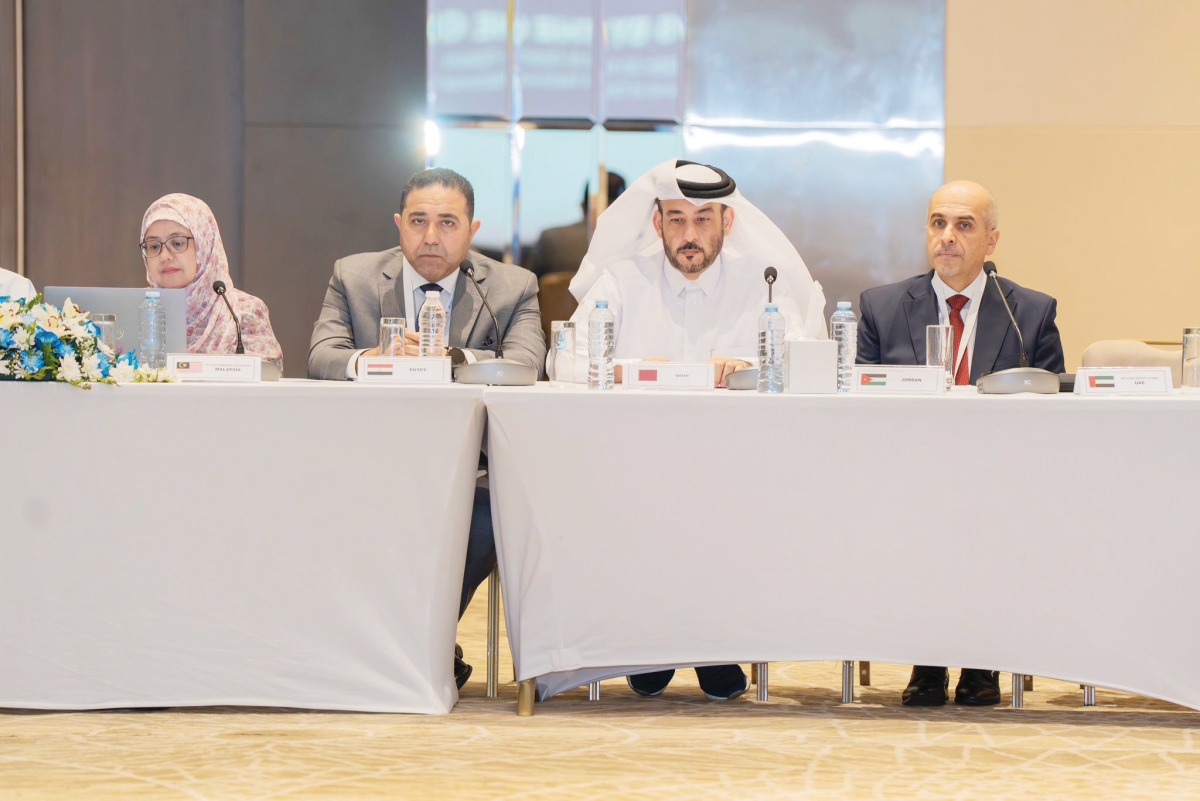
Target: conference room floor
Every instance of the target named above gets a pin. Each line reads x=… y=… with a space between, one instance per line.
x=801 y=744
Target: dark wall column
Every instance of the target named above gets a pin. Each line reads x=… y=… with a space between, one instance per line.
x=127 y=100
x=335 y=100
x=8 y=139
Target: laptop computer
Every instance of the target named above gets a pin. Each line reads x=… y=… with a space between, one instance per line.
x=124 y=302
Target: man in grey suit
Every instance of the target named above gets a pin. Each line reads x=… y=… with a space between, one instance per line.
x=436 y=224
x=961 y=231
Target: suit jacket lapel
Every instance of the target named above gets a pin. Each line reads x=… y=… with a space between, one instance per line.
x=920 y=309
x=465 y=311
x=990 y=330
x=391 y=288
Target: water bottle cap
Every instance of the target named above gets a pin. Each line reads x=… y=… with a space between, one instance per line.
x=771 y=307
x=152 y=293
x=843 y=304
x=602 y=304
x=433 y=294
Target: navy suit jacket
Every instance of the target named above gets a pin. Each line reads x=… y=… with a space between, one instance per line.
x=892 y=326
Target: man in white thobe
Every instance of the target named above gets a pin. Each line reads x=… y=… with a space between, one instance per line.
x=680 y=258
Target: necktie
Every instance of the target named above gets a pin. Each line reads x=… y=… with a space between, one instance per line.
x=962 y=375
x=427 y=288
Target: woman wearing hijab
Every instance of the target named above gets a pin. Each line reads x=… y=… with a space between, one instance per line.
x=182 y=248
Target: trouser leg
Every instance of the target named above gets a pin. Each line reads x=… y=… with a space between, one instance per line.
x=481 y=547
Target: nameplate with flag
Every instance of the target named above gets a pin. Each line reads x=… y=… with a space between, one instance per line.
x=669 y=375
x=404 y=370
x=214 y=367
x=1123 y=381
x=892 y=379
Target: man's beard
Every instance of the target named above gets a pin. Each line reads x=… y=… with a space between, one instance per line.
x=694 y=269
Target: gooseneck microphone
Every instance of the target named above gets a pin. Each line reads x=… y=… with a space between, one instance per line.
x=770 y=275
x=219 y=288
x=989 y=267
x=498 y=371
x=468 y=269
x=1015 y=379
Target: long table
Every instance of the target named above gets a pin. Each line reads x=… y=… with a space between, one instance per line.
x=297 y=544
x=1046 y=535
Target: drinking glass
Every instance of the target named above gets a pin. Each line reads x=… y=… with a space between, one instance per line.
x=110 y=332
x=391 y=336
x=560 y=360
x=939 y=350
x=1190 y=380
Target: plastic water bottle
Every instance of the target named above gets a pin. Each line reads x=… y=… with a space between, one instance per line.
x=601 y=343
x=433 y=326
x=152 y=331
x=770 y=350
x=843 y=328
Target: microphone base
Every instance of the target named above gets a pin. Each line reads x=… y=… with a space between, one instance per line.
x=497 y=373
x=1018 y=379
x=744 y=379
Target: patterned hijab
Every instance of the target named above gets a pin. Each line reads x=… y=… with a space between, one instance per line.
x=209 y=326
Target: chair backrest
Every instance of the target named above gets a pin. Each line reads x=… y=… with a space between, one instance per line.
x=555 y=299
x=1134 y=353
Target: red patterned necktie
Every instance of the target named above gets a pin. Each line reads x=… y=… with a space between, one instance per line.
x=962 y=375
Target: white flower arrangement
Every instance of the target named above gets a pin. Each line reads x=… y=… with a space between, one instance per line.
x=40 y=342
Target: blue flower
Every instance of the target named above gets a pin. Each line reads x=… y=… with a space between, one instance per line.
x=129 y=358
x=7 y=342
x=105 y=364
x=32 y=361
x=43 y=338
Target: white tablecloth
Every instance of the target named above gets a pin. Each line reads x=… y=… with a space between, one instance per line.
x=1053 y=536
x=295 y=544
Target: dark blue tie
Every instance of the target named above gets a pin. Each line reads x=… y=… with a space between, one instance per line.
x=427 y=288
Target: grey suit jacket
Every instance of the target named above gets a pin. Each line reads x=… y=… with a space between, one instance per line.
x=366 y=287
x=892 y=327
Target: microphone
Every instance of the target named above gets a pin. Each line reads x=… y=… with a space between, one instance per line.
x=989 y=267
x=219 y=288
x=498 y=371
x=770 y=275
x=1015 y=379
x=468 y=270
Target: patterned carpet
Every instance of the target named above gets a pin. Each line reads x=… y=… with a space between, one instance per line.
x=803 y=743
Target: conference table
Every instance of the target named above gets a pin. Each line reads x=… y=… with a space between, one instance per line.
x=1042 y=535
x=297 y=544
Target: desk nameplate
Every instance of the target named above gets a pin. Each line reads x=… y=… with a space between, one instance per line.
x=214 y=367
x=891 y=379
x=669 y=375
x=1123 y=381
x=404 y=370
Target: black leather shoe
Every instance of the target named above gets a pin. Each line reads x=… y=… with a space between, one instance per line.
x=722 y=682
x=977 y=687
x=927 y=686
x=650 y=684
x=462 y=671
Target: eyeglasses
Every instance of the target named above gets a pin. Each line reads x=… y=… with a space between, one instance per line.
x=176 y=244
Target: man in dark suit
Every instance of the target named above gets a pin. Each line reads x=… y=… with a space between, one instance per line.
x=436 y=225
x=961 y=231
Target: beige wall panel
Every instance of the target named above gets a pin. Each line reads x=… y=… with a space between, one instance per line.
x=1072 y=62
x=1104 y=220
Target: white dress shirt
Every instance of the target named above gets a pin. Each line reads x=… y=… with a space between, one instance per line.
x=970 y=312
x=16 y=286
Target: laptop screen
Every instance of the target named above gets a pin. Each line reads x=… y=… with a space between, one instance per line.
x=124 y=303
